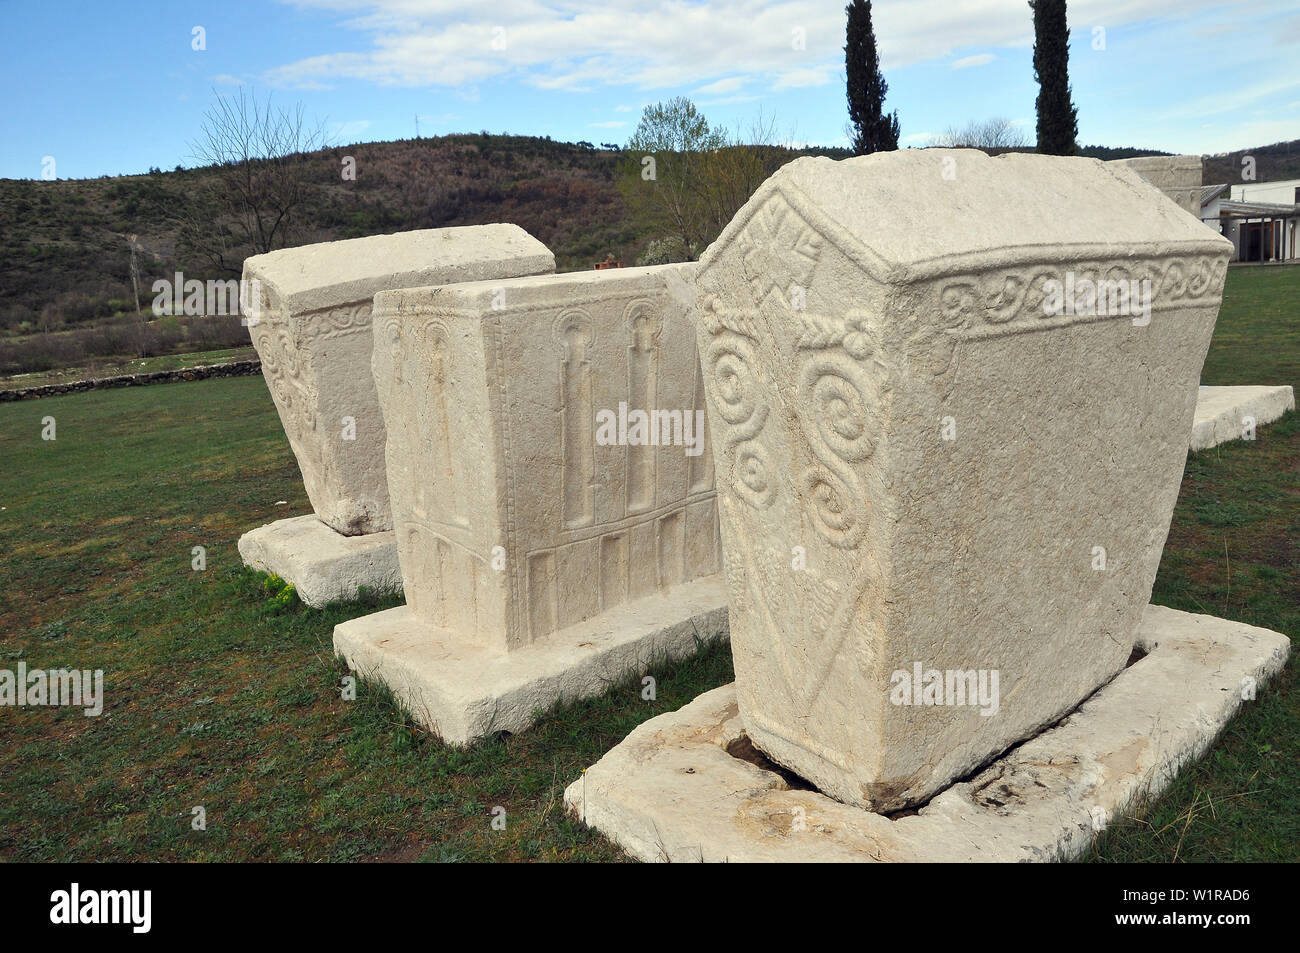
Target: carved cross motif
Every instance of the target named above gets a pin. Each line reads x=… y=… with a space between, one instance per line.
x=780 y=253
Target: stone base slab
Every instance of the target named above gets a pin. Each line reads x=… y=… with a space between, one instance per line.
x=324 y=566
x=673 y=791
x=464 y=692
x=1221 y=410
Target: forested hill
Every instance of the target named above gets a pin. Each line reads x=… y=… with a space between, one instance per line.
x=68 y=240
x=67 y=256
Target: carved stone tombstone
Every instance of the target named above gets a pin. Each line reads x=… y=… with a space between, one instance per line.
x=552 y=492
x=311 y=328
x=1178 y=177
x=950 y=398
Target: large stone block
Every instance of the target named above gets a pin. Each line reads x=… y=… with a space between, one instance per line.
x=928 y=464
x=324 y=566
x=312 y=332
x=1234 y=413
x=687 y=786
x=1178 y=177
x=536 y=510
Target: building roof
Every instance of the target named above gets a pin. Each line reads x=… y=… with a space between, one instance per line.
x=1233 y=209
x=1211 y=192
x=1270 y=183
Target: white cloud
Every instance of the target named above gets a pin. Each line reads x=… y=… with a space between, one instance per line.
x=658 y=44
x=979 y=59
x=728 y=85
x=795 y=78
x=1234 y=99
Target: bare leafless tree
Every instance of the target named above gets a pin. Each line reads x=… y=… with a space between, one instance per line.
x=996 y=133
x=259 y=178
x=132 y=240
x=735 y=170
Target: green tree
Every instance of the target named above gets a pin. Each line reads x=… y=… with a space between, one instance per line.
x=664 y=178
x=870 y=129
x=1058 y=121
x=684 y=180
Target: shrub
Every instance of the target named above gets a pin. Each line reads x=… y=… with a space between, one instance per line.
x=664 y=251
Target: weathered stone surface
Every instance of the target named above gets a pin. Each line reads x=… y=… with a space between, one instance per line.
x=1178 y=177
x=324 y=566
x=917 y=464
x=312 y=333
x=464 y=692
x=1228 y=413
x=518 y=524
x=674 y=791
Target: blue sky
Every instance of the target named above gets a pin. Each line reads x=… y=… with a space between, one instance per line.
x=117 y=87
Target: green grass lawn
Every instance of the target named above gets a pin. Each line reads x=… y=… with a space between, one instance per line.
x=218 y=697
x=1257 y=338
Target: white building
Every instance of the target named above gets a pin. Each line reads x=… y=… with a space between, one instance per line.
x=1259 y=218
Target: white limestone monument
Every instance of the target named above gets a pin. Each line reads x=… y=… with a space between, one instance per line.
x=947 y=419
x=552 y=493
x=950 y=398
x=311 y=328
x=1178 y=177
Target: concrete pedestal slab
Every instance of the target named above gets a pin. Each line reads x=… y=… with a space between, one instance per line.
x=1221 y=412
x=324 y=566
x=688 y=786
x=463 y=691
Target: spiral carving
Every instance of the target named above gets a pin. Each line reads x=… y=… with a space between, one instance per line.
x=844 y=433
x=738 y=397
x=281 y=366
x=753 y=478
x=966 y=303
x=842 y=415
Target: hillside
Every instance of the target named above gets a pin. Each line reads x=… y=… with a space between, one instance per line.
x=66 y=260
x=1281 y=160
x=66 y=240
x=66 y=257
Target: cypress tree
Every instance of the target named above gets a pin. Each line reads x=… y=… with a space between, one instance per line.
x=1058 y=123
x=873 y=131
